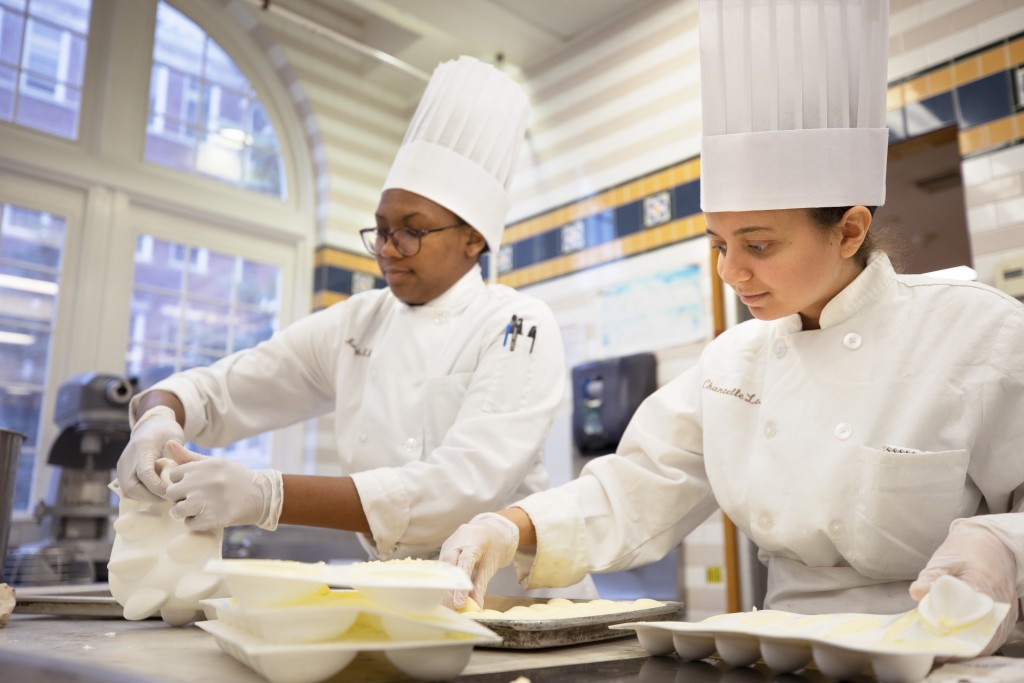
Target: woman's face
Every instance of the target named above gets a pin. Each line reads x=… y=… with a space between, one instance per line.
x=444 y=256
x=782 y=262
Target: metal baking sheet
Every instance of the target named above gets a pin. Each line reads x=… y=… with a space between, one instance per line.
x=91 y=600
x=530 y=634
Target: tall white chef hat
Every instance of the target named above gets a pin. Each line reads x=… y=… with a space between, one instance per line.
x=463 y=142
x=793 y=98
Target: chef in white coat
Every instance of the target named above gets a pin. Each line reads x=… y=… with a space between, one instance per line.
x=440 y=405
x=864 y=430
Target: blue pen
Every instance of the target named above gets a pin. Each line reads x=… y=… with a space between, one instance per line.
x=508 y=328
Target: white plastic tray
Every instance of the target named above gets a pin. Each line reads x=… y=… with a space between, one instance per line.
x=330 y=617
x=897 y=647
x=428 y=659
x=408 y=585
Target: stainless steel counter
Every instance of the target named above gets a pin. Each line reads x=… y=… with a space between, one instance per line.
x=52 y=649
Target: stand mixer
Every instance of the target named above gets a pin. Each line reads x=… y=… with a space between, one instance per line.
x=92 y=412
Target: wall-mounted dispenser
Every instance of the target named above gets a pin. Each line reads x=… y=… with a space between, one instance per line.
x=605 y=395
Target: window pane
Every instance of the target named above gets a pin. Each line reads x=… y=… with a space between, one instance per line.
x=204 y=115
x=70 y=14
x=31 y=243
x=23 y=355
x=32 y=237
x=179 y=41
x=220 y=68
x=252 y=328
x=8 y=84
x=156 y=265
x=150 y=364
x=211 y=275
x=11 y=27
x=206 y=327
x=55 y=113
x=42 y=63
x=155 y=318
x=259 y=285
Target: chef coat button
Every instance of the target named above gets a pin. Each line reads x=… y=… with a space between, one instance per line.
x=362 y=437
x=410 y=444
x=440 y=319
x=769 y=430
x=779 y=348
x=852 y=341
x=765 y=521
x=843 y=430
x=835 y=529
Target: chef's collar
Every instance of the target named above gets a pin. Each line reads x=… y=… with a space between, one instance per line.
x=871 y=282
x=859 y=293
x=458 y=295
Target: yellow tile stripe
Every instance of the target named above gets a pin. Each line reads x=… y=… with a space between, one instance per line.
x=328 y=256
x=992 y=134
x=610 y=199
x=629 y=245
x=944 y=79
x=323 y=299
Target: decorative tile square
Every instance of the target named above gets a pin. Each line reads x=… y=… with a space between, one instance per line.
x=657 y=209
x=574 y=237
x=362 y=282
x=505 y=261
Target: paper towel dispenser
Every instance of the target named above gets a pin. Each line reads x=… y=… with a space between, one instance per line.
x=606 y=393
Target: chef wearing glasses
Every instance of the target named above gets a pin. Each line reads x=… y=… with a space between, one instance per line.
x=441 y=402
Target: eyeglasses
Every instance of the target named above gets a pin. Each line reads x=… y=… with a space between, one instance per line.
x=406 y=240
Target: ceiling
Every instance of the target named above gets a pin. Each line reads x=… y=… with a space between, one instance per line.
x=422 y=33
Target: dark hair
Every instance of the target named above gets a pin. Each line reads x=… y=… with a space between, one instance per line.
x=828 y=217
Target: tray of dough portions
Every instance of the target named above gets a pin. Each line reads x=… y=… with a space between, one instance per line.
x=952 y=621
x=525 y=623
x=299 y=622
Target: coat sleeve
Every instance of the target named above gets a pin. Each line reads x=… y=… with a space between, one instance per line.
x=492 y=439
x=283 y=380
x=997 y=461
x=629 y=508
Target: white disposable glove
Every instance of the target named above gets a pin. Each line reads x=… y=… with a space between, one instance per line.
x=211 y=493
x=136 y=468
x=976 y=555
x=480 y=548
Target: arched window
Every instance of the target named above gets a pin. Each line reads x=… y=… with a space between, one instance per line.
x=204 y=116
x=42 y=62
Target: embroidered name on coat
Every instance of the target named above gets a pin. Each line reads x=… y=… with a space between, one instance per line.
x=351 y=341
x=732 y=391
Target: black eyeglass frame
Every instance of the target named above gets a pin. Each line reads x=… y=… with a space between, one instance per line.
x=370 y=237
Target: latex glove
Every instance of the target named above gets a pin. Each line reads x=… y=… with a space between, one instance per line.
x=136 y=468
x=211 y=493
x=979 y=558
x=480 y=548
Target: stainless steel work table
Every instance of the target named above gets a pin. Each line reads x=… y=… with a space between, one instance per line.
x=94 y=650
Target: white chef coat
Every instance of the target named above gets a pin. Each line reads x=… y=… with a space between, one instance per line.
x=799 y=436
x=437 y=418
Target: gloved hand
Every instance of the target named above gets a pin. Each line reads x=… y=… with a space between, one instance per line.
x=210 y=493
x=480 y=548
x=981 y=559
x=136 y=468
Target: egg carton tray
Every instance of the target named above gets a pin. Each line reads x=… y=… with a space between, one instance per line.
x=899 y=648
x=427 y=659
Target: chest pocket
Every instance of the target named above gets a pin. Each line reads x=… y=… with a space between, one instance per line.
x=904 y=505
x=442 y=399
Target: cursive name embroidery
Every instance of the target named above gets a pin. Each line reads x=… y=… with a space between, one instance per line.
x=738 y=393
x=351 y=341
